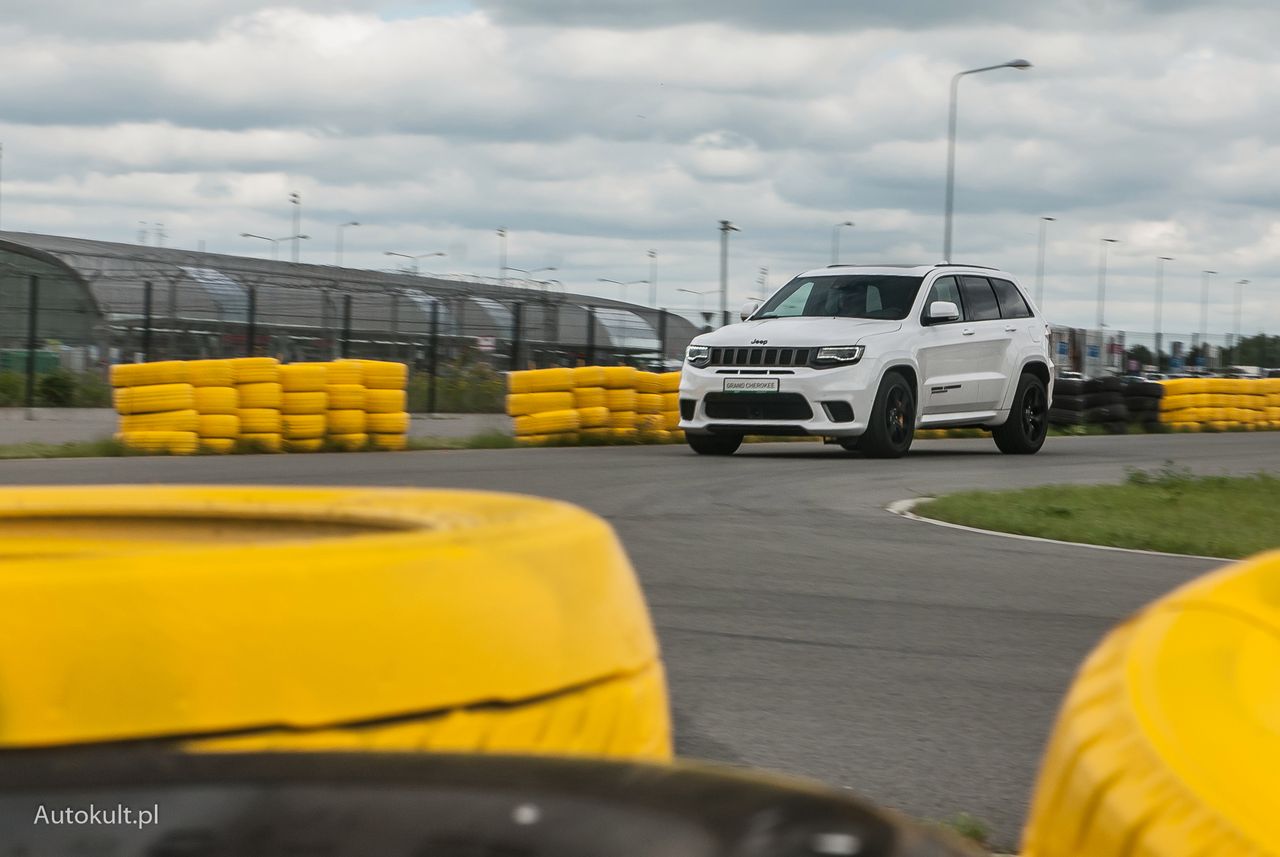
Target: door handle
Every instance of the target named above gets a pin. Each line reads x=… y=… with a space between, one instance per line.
x=968 y=331
x=1011 y=328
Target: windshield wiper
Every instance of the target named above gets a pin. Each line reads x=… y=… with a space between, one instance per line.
x=763 y=317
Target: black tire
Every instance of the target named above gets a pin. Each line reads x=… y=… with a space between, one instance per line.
x=1068 y=387
x=1028 y=424
x=1068 y=403
x=1108 y=414
x=714 y=444
x=893 y=419
x=1150 y=389
x=1102 y=400
x=1058 y=417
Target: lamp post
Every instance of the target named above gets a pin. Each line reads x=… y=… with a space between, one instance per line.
x=337 y=244
x=725 y=228
x=412 y=258
x=700 y=295
x=1204 y=314
x=1160 y=260
x=1102 y=279
x=835 y=240
x=1021 y=65
x=653 y=279
x=528 y=275
x=502 y=255
x=1239 y=333
x=624 y=285
x=295 y=199
x=1044 y=222
x=275 y=242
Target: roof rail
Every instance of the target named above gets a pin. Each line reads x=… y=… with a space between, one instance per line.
x=880 y=265
x=964 y=265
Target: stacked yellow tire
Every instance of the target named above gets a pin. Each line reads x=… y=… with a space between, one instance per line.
x=622 y=399
x=304 y=404
x=156 y=404
x=669 y=390
x=257 y=382
x=385 y=403
x=544 y=407
x=216 y=404
x=1221 y=404
x=345 y=420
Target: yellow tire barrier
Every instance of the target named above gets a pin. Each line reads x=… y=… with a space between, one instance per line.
x=148 y=374
x=349 y=442
x=304 y=403
x=346 y=373
x=308 y=444
x=379 y=401
x=259 y=421
x=216 y=400
x=540 y=381
x=624 y=433
x=649 y=423
x=648 y=403
x=620 y=377
x=588 y=376
x=344 y=397
x=346 y=422
x=590 y=397
x=267 y=394
x=593 y=417
x=548 y=422
x=218 y=426
x=647 y=383
x=304 y=377
x=602 y=433
x=261 y=441
x=397 y=423
x=164 y=421
x=661 y=435
x=523 y=404
x=302 y=426
x=172 y=442
x=383 y=374
x=217 y=445
x=154 y=398
x=670 y=402
x=210 y=373
x=620 y=400
x=388 y=442
x=255 y=370
x=1168 y=742
x=671 y=420
x=669 y=382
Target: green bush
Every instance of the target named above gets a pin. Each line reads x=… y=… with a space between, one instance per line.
x=12 y=389
x=91 y=391
x=57 y=389
x=461 y=388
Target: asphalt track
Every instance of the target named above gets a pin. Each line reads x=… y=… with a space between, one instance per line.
x=805 y=628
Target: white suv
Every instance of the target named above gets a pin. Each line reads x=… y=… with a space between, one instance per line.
x=865 y=355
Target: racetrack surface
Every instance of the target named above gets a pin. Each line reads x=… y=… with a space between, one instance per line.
x=806 y=629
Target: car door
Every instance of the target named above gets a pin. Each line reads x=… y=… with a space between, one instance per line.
x=945 y=356
x=992 y=351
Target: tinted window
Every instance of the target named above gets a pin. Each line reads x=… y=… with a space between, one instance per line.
x=1012 y=303
x=979 y=300
x=945 y=289
x=855 y=296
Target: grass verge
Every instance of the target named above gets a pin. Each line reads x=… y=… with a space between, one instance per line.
x=1166 y=510
x=105 y=448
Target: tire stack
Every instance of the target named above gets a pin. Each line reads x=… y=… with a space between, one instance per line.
x=543 y=404
x=1271 y=389
x=304 y=404
x=1068 y=406
x=1251 y=400
x=257 y=382
x=622 y=399
x=650 y=424
x=344 y=421
x=1104 y=404
x=589 y=400
x=216 y=405
x=386 y=416
x=1185 y=404
x=156 y=405
x=669 y=389
x=1142 y=400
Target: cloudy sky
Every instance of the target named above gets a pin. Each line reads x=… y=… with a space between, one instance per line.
x=595 y=130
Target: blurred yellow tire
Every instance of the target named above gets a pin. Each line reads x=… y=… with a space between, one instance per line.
x=267 y=394
x=662 y=436
x=397 y=423
x=302 y=426
x=349 y=442
x=348 y=422
x=259 y=420
x=210 y=373
x=588 y=376
x=344 y=397
x=671 y=420
x=154 y=398
x=670 y=402
x=649 y=423
x=346 y=373
x=384 y=401
x=310 y=444
x=593 y=417
x=624 y=433
x=255 y=370
x=620 y=377
x=171 y=442
x=648 y=383
x=669 y=382
x=163 y=421
x=217 y=445
x=1168 y=742
x=304 y=377
x=596 y=434
x=218 y=426
x=383 y=374
x=648 y=403
x=216 y=400
x=548 y=422
x=523 y=404
x=261 y=441
x=540 y=381
x=388 y=442
x=148 y=374
x=304 y=403
x=589 y=397
x=623 y=419
x=620 y=400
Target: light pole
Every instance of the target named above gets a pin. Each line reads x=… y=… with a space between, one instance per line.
x=835 y=240
x=337 y=244
x=502 y=255
x=275 y=242
x=725 y=228
x=653 y=279
x=763 y=280
x=528 y=275
x=1102 y=278
x=1160 y=260
x=1204 y=314
x=624 y=285
x=295 y=199
x=1044 y=222
x=700 y=294
x=1239 y=333
x=951 y=145
x=412 y=258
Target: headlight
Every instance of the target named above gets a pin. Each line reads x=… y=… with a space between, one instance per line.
x=839 y=354
x=698 y=355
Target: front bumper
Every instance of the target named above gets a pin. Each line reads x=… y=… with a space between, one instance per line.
x=828 y=402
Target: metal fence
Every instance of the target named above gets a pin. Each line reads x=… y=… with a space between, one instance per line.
x=1110 y=351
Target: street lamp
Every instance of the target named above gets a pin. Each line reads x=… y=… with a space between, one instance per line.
x=275 y=242
x=1204 y=314
x=1160 y=260
x=502 y=255
x=528 y=275
x=413 y=259
x=337 y=245
x=835 y=240
x=1044 y=222
x=700 y=294
x=653 y=278
x=1102 y=278
x=725 y=228
x=295 y=199
x=1022 y=65
x=624 y=285
x=1239 y=333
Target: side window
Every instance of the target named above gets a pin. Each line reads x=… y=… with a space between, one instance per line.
x=979 y=299
x=1012 y=303
x=945 y=289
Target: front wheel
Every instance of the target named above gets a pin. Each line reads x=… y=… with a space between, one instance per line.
x=1028 y=424
x=714 y=444
x=893 y=419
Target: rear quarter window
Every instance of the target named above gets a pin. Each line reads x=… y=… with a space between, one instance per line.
x=1012 y=303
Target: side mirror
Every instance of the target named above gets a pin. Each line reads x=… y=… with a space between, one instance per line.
x=749 y=308
x=943 y=311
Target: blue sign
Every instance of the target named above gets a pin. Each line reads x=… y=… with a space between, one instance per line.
x=1095 y=351
x=1177 y=363
x=1062 y=349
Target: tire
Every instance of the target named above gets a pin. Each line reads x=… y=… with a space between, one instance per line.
x=1058 y=417
x=547 y=422
x=303 y=377
x=259 y=421
x=621 y=400
x=218 y=445
x=648 y=403
x=302 y=426
x=149 y=374
x=345 y=397
x=216 y=400
x=590 y=397
x=593 y=417
x=308 y=444
x=523 y=404
x=255 y=370
x=166 y=442
x=261 y=394
x=347 y=619
x=588 y=376
x=648 y=383
x=163 y=421
x=1069 y=403
x=344 y=373
x=210 y=373
x=1109 y=414
x=893 y=419
x=349 y=442
x=1102 y=400
x=379 y=401
x=1068 y=387
x=154 y=398
x=388 y=442
x=620 y=377
x=218 y=426
x=623 y=419
x=1023 y=433
x=671 y=420
x=539 y=381
x=304 y=403
x=669 y=382
x=261 y=441
x=714 y=444
x=384 y=374
x=345 y=422
x=397 y=423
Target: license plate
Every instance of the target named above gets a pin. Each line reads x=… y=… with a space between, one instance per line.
x=751 y=385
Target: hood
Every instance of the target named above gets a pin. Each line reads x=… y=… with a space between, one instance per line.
x=804 y=332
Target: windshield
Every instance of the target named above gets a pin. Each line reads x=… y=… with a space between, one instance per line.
x=880 y=296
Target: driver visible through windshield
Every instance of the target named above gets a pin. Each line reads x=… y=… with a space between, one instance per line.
x=879 y=296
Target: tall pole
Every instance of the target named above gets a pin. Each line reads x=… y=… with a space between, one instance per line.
x=337 y=244
x=251 y=329
x=835 y=240
x=146 y=321
x=1102 y=279
x=1 y=184
x=1044 y=222
x=1204 y=315
x=1160 y=260
x=296 y=199
x=1239 y=333
x=725 y=228
x=653 y=278
x=502 y=255
x=33 y=312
